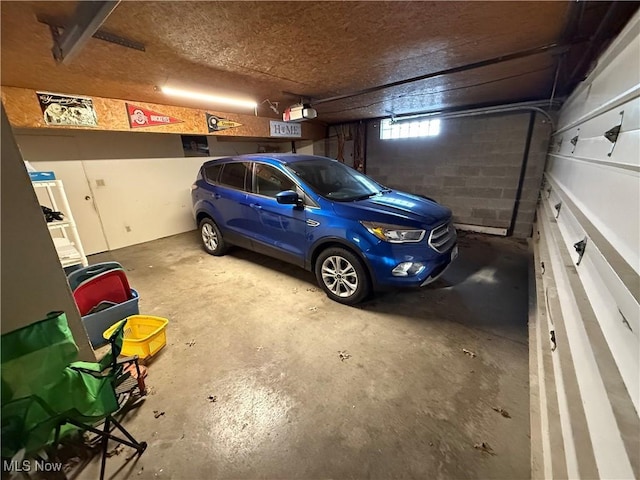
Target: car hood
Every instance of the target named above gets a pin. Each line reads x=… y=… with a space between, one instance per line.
x=394 y=206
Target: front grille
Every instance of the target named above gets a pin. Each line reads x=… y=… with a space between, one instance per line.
x=442 y=237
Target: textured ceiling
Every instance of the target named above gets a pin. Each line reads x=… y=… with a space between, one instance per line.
x=268 y=50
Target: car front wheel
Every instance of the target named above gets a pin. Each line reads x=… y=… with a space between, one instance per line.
x=212 y=240
x=342 y=276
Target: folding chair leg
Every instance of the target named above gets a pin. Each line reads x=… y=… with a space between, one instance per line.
x=56 y=439
x=105 y=445
x=140 y=446
x=106 y=436
x=141 y=386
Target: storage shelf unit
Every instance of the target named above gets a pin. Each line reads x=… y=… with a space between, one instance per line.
x=69 y=246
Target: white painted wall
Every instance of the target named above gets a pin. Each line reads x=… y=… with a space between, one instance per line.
x=305 y=147
x=596 y=185
x=131 y=200
x=137 y=183
x=143 y=199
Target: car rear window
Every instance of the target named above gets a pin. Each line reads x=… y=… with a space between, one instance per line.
x=211 y=173
x=235 y=174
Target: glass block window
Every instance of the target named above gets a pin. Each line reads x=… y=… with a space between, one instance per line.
x=409 y=129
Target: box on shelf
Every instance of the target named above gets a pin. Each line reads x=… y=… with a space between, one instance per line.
x=42 y=176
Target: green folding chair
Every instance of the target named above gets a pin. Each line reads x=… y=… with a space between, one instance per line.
x=46 y=395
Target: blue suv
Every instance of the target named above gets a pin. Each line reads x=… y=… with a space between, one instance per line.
x=317 y=213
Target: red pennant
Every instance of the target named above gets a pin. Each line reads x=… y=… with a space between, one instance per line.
x=141 y=117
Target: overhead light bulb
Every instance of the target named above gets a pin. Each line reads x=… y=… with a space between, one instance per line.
x=208 y=98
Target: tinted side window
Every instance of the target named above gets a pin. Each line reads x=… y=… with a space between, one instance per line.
x=211 y=173
x=271 y=181
x=234 y=174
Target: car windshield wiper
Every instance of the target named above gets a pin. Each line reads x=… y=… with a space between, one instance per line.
x=364 y=197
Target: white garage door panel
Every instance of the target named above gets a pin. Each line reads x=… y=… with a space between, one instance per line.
x=617 y=72
x=626 y=150
x=631 y=114
x=596 y=185
x=602 y=193
x=610 y=83
x=592 y=144
x=143 y=199
x=597 y=149
x=575 y=107
x=611 y=301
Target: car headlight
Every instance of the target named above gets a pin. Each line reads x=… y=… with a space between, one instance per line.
x=394 y=233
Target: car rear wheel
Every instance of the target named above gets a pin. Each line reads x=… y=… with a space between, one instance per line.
x=212 y=240
x=342 y=276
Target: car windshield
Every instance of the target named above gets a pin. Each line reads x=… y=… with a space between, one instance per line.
x=334 y=180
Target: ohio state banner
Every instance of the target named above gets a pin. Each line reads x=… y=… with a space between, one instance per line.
x=142 y=117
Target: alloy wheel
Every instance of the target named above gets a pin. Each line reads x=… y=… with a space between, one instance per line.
x=339 y=276
x=209 y=236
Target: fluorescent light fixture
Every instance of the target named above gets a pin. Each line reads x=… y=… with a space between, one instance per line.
x=208 y=98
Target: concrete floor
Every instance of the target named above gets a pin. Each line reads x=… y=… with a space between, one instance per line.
x=409 y=403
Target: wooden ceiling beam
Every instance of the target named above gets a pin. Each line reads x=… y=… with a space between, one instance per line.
x=84 y=23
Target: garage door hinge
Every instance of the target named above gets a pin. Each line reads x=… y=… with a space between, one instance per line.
x=624 y=320
x=574 y=141
x=558 y=206
x=580 y=247
x=613 y=133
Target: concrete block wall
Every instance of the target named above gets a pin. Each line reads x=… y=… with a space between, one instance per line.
x=473 y=166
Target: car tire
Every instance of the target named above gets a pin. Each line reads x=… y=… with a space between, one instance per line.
x=342 y=275
x=212 y=240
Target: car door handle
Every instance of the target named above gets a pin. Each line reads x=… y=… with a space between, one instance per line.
x=215 y=195
x=256 y=206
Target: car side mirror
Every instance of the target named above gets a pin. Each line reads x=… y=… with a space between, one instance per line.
x=289 y=197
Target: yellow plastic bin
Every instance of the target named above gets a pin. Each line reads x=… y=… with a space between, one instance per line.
x=144 y=335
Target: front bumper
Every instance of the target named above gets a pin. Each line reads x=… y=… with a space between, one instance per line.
x=437 y=273
x=435 y=264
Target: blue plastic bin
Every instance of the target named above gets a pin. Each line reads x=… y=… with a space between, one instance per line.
x=97 y=323
x=79 y=275
x=42 y=176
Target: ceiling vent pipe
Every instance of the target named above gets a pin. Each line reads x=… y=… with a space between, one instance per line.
x=535 y=106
